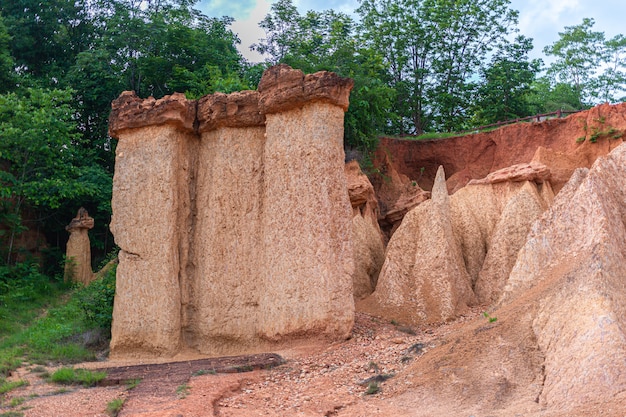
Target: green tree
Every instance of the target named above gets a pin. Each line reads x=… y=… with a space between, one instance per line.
x=578 y=54
x=43 y=168
x=47 y=36
x=610 y=85
x=505 y=86
x=434 y=49
x=546 y=96
x=7 y=64
x=327 y=41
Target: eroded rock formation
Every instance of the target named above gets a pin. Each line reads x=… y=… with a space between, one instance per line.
x=452 y=252
x=558 y=345
x=367 y=238
x=78 y=251
x=556 y=143
x=232 y=217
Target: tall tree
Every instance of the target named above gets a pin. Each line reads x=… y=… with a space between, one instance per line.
x=43 y=169
x=610 y=85
x=579 y=53
x=434 y=50
x=505 y=85
x=7 y=64
x=47 y=36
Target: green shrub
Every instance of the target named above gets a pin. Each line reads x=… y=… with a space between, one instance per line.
x=96 y=301
x=372 y=388
x=22 y=282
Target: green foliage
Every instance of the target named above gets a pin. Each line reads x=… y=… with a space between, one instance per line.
x=7 y=76
x=6 y=386
x=20 y=283
x=15 y=401
x=593 y=67
x=182 y=391
x=132 y=383
x=44 y=164
x=115 y=406
x=433 y=51
x=71 y=376
x=372 y=388
x=488 y=317
x=96 y=301
x=546 y=96
x=12 y=414
x=205 y=372
x=506 y=84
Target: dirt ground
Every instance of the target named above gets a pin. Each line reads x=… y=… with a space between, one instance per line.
x=362 y=376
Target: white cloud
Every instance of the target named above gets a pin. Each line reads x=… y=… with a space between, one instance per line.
x=249 y=31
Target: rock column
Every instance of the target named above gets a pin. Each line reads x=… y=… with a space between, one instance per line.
x=307 y=212
x=78 y=252
x=150 y=205
x=227 y=247
x=233 y=218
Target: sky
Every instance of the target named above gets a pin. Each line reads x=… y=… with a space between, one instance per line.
x=538 y=19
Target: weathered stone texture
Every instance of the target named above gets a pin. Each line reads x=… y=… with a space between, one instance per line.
x=240 y=109
x=151 y=175
x=423 y=279
x=307 y=224
x=283 y=88
x=367 y=238
x=575 y=260
x=470 y=239
x=227 y=281
x=131 y=112
x=532 y=171
x=234 y=225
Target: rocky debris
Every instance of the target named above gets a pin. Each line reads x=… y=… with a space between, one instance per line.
x=532 y=171
x=234 y=223
x=331 y=380
x=163 y=378
x=78 y=251
x=554 y=343
x=438 y=287
x=367 y=239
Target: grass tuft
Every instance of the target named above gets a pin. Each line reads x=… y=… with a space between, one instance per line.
x=182 y=391
x=6 y=386
x=71 y=376
x=115 y=406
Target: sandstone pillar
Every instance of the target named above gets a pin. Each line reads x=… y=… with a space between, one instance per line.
x=78 y=251
x=233 y=218
x=227 y=246
x=306 y=212
x=151 y=205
